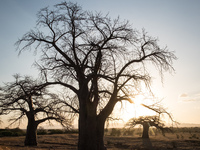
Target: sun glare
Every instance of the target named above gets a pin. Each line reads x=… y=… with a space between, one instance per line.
x=135 y=109
x=137 y=101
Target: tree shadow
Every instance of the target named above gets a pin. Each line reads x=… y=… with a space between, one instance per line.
x=147 y=143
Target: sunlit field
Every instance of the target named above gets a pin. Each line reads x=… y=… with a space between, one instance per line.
x=115 y=139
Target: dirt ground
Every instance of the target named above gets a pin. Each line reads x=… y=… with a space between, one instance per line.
x=69 y=142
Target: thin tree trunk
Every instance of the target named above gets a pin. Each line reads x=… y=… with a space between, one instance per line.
x=145 y=133
x=31 y=132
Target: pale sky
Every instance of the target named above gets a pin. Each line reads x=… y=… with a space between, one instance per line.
x=175 y=22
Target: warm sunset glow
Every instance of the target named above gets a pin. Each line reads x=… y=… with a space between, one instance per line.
x=137 y=101
x=170 y=22
x=135 y=109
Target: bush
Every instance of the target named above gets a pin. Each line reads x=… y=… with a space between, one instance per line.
x=41 y=131
x=17 y=132
x=177 y=136
x=55 y=131
x=115 y=132
x=12 y=132
x=128 y=132
x=6 y=133
x=70 y=131
x=194 y=136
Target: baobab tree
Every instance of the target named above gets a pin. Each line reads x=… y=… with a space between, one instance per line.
x=147 y=122
x=100 y=60
x=28 y=98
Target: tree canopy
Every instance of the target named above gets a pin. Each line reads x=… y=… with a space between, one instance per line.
x=108 y=55
x=100 y=60
x=147 y=122
x=26 y=97
x=26 y=94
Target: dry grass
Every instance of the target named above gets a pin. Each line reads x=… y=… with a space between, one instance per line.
x=184 y=141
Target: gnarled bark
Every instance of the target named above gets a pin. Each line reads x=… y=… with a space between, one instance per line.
x=145 y=133
x=91 y=134
x=31 y=131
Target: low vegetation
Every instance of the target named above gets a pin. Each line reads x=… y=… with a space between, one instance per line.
x=19 y=132
x=115 y=139
x=12 y=132
x=118 y=132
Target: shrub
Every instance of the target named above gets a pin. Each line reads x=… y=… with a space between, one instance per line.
x=6 y=133
x=55 y=131
x=177 y=136
x=70 y=131
x=194 y=136
x=109 y=143
x=17 y=132
x=41 y=132
x=12 y=132
x=128 y=132
x=115 y=132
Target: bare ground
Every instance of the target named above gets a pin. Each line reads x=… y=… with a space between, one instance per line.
x=69 y=142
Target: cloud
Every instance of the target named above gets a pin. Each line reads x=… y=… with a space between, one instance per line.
x=184 y=97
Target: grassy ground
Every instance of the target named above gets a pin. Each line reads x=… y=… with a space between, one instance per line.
x=185 y=141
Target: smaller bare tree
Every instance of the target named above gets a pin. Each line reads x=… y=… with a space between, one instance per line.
x=147 y=122
x=30 y=98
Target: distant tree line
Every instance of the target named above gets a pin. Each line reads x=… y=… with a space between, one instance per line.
x=20 y=132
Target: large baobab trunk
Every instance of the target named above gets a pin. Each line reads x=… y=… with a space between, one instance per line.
x=91 y=124
x=31 y=131
x=100 y=134
x=91 y=133
x=87 y=137
x=145 y=133
x=91 y=128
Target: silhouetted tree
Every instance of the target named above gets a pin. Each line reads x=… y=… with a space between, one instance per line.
x=28 y=97
x=147 y=122
x=100 y=60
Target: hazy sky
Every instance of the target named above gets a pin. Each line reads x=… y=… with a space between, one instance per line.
x=175 y=22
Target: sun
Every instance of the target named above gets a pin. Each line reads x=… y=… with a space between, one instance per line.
x=126 y=110
x=137 y=101
x=136 y=109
